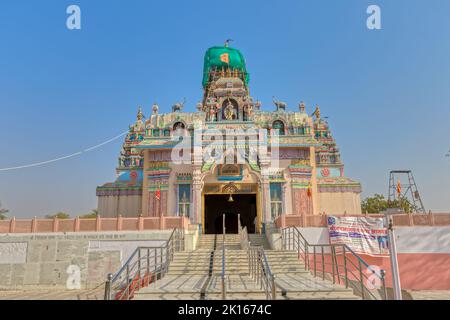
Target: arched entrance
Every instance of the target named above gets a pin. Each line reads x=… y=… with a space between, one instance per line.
x=216 y=205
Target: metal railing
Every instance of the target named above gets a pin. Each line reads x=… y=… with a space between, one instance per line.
x=144 y=266
x=259 y=271
x=337 y=260
x=224 y=294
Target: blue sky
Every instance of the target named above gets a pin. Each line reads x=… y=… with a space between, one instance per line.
x=386 y=92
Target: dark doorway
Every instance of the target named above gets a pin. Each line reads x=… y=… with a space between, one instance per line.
x=217 y=205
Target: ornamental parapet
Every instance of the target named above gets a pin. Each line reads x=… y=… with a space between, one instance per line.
x=118 y=191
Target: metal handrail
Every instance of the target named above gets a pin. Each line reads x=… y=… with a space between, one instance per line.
x=224 y=295
x=144 y=266
x=292 y=239
x=259 y=270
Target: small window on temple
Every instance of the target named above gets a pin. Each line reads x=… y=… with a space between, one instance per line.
x=178 y=128
x=278 y=127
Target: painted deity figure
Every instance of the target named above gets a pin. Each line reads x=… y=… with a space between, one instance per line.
x=249 y=110
x=212 y=113
x=229 y=111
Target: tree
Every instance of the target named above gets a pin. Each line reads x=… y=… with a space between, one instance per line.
x=59 y=215
x=378 y=203
x=3 y=212
x=91 y=215
x=374 y=204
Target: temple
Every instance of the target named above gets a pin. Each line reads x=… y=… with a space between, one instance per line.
x=229 y=157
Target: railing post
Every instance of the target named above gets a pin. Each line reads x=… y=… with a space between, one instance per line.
x=239 y=223
x=307 y=257
x=333 y=254
x=291 y=241
x=128 y=282
x=223 y=289
x=323 y=264
x=258 y=269
x=315 y=266
x=107 y=295
x=345 y=267
x=274 y=290
x=166 y=263
x=148 y=266
x=161 y=261
x=156 y=257
x=361 y=280
x=249 y=262
x=223 y=227
x=139 y=268
x=383 y=282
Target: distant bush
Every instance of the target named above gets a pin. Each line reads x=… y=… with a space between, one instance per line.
x=59 y=215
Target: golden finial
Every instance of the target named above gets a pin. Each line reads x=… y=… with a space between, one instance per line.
x=228 y=72
x=317 y=112
x=140 y=115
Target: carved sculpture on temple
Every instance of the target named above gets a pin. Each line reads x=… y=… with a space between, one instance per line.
x=281 y=106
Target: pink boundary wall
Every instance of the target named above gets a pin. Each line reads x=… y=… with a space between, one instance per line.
x=91 y=225
x=423 y=257
x=406 y=219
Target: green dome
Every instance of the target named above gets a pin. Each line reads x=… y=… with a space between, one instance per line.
x=215 y=56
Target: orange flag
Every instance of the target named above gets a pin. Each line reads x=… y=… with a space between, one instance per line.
x=309 y=190
x=399 y=188
x=225 y=57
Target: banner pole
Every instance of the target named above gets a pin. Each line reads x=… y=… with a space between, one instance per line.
x=394 y=262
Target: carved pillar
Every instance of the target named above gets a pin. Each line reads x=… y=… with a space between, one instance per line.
x=283 y=198
x=197 y=195
x=151 y=204
x=163 y=201
x=265 y=186
x=266 y=201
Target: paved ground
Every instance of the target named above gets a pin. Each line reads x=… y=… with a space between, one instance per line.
x=98 y=295
x=52 y=294
x=430 y=295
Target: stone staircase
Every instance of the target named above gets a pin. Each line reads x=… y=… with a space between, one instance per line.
x=214 y=242
x=197 y=274
x=259 y=240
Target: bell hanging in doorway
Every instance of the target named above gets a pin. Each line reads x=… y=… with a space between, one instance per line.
x=230 y=198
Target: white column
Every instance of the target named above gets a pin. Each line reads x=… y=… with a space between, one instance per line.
x=283 y=198
x=197 y=195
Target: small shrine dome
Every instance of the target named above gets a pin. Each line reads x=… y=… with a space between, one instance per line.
x=219 y=57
